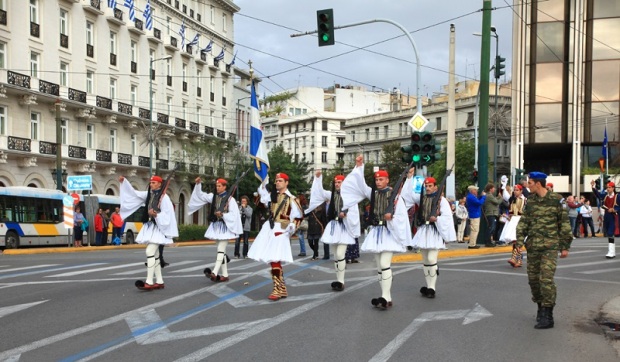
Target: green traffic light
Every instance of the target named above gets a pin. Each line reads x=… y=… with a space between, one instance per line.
x=416 y=158
x=325 y=37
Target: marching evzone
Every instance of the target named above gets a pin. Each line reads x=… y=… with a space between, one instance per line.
x=509 y=233
x=273 y=243
x=342 y=227
x=160 y=228
x=224 y=223
x=435 y=227
x=387 y=232
x=611 y=205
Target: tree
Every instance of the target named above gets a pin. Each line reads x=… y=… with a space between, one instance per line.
x=298 y=172
x=465 y=158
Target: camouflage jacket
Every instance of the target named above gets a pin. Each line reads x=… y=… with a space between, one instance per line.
x=545 y=224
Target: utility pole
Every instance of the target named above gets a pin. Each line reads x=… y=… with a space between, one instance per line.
x=58 y=147
x=451 y=135
x=483 y=138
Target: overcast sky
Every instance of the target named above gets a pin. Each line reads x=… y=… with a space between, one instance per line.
x=263 y=29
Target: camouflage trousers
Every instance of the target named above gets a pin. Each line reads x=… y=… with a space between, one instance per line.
x=540 y=272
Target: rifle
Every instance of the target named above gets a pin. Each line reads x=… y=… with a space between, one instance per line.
x=274 y=200
x=164 y=188
x=440 y=189
x=233 y=188
x=331 y=212
x=397 y=189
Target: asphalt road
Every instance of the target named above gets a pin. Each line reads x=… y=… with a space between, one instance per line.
x=84 y=306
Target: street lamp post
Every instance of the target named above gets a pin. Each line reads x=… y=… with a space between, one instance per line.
x=494 y=31
x=58 y=174
x=151 y=112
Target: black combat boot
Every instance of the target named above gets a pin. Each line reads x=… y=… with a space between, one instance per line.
x=538 y=313
x=546 y=318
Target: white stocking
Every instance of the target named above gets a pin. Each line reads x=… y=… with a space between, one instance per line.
x=430 y=267
x=152 y=253
x=340 y=262
x=221 y=251
x=384 y=262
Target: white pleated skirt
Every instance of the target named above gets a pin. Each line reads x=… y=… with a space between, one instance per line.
x=267 y=247
x=380 y=239
x=509 y=232
x=336 y=233
x=150 y=234
x=219 y=231
x=427 y=237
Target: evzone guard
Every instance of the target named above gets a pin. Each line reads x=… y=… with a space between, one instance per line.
x=389 y=229
x=343 y=226
x=160 y=228
x=435 y=226
x=224 y=223
x=272 y=244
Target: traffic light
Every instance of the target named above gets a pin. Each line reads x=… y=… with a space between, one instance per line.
x=428 y=147
x=411 y=152
x=606 y=180
x=325 y=26
x=435 y=151
x=499 y=66
x=474 y=176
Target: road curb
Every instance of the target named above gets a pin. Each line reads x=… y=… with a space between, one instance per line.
x=453 y=253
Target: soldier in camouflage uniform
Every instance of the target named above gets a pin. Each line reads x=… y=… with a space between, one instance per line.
x=544 y=229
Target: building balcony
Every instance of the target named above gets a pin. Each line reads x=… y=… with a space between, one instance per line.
x=144 y=113
x=115 y=16
x=134 y=67
x=180 y=122
x=154 y=35
x=103 y=102
x=137 y=28
x=92 y=6
x=163 y=118
x=112 y=59
x=202 y=58
x=90 y=51
x=64 y=41
x=35 y=29
x=3 y=17
x=171 y=43
x=125 y=108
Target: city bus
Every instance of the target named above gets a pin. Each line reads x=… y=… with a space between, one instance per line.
x=34 y=217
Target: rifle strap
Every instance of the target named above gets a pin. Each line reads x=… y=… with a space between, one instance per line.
x=280 y=206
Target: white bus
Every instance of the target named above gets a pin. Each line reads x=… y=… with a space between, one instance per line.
x=34 y=217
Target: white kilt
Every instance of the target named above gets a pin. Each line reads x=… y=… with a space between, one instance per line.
x=219 y=231
x=150 y=233
x=380 y=239
x=270 y=248
x=336 y=233
x=509 y=232
x=427 y=237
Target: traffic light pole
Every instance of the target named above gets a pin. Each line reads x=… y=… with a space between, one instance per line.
x=415 y=50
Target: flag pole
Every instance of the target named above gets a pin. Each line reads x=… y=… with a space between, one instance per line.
x=606 y=150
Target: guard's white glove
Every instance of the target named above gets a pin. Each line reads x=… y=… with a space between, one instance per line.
x=290 y=229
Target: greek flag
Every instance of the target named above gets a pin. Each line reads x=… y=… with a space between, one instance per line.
x=132 y=10
x=182 y=34
x=195 y=40
x=258 y=150
x=112 y=4
x=232 y=62
x=208 y=48
x=148 y=15
x=221 y=55
x=605 y=144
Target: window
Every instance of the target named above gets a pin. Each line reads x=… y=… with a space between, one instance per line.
x=224 y=21
x=438 y=125
x=34 y=64
x=3 y=120
x=352 y=136
x=324 y=157
x=64 y=74
x=168 y=67
x=324 y=125
x=34 y=125
x=386 y=131
x=90 y=135
x=113 y=140
x=133 y=94
x=64 y=130
x=184 y=108
x=470 y=119
x=311 y=157
x=211 y=84
x=211 y=118
x=2 y=55
x=134 y=143
x=376 y=133
x=223 y=89
x=112 y=88
x=288 y=144
x=89 y=81
x=169 y=105
x=198 y=111
x=64 y=22
x=90 y=33
x=212 y=14
x=113 y=43
x=324 y=141
x=168 y=22
x=34 y=11
x=367 y=132
x=134 y=51
x=168 y=149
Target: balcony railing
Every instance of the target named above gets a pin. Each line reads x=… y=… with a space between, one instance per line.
x=193 y=126
x=232 y=137
x=180 y=122
x=47 y=148
x=181 y=166
x=157 y=33
x=18 y=79
x=77 y=152
x=49 y=88
x=144 y=161
x=19 y=144
x=169 y=80
x=104 y=156
x=221 y=134
x=144 y=113
x=223 y=101
x=173 y=41
x=162 y=118
x=134 y=67
x=112 y=59
x=96 y=4
x=139 y=24
x=3 y=17
x=209 y=130
x=188 y=49
x=184 y=86
x=76 y=95
x=212 y=97
x=194 y=168
x=34 y=29
x=203 y=56
x=163 y=164
x=198 y=92
x=125 y=108
x=90 y=50
x=64 y=41
x=118 y=14
x=124 y=159
x=152 y=74
x=103 y=102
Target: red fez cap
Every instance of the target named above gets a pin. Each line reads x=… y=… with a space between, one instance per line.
x=282 y=175
x=611 y=184
x=157 y=178
x=550 y=185
x=221 y=181
x=430 y=180
x=520 y=188
x=381 y=173
x=339 y=178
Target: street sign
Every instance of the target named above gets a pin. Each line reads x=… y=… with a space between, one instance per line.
x=67 y=200
x=76 y=199
x=418 y=122
x=418 y=183
x=81 y=182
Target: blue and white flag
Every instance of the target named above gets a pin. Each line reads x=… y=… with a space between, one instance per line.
x=605 y=144
x=182 y=34
x=258 y=150
x=208 y=48
x=132 y=10
x=112 y=4
x=221 y=55
x=195 y=40
x=232 y=62
x=148 y=15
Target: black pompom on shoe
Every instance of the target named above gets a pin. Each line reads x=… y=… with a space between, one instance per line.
x=337 y=286
x=424 y=291
x=430 y=293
